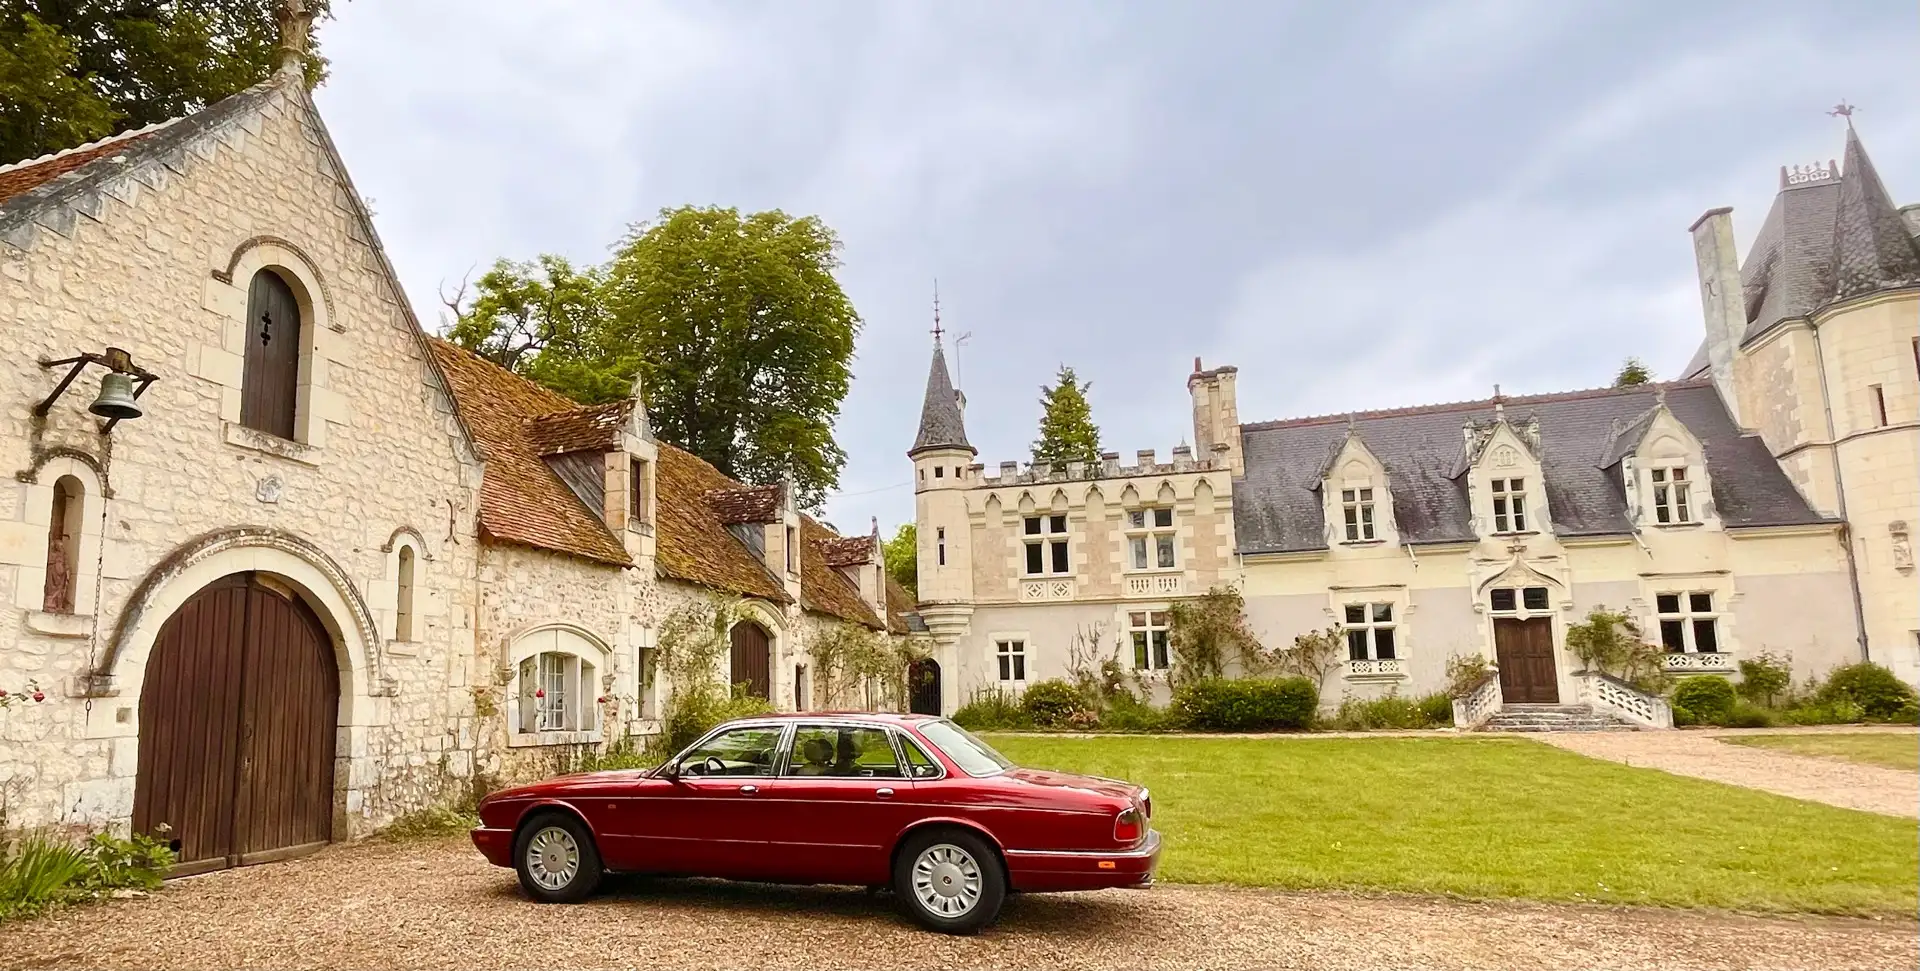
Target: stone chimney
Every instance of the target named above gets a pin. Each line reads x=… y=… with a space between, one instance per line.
x=1721 y=299
x=1216 y=415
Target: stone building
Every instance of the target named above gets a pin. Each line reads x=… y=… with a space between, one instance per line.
x=1716 y=510
x=334 y=568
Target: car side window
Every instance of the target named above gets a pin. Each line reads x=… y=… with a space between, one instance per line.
x=919 y=764
x=843 y=752
x=742 y=751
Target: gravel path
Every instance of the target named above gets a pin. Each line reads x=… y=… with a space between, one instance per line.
x=1701 y=754
x=438 y=905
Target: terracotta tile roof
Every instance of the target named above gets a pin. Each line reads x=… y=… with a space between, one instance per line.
x=823 y=588
x=692 y=543
x=34 y=172
x=847 y=551
x=737 y=504
x=521 y=499
x=594 y=428
x=900 y=604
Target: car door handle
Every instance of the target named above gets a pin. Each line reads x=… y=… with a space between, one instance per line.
x=883 y=792
x=749 y=790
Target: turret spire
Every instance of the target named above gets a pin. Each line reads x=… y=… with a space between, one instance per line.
x=1871 y=248
x=940 y=423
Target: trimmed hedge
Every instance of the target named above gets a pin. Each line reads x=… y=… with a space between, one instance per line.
x=1881 y=695
x=1246 y=704
x=1053 y=703
x=1708 y=698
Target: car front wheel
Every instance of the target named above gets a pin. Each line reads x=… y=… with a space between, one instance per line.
x=556 y=859
x=950 y=881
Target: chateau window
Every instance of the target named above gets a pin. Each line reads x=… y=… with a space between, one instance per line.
x=1503 y=599
x=637 y=485
x=63 y=546
x=793 y=551
x=1151 y=539
x=1357 y=504
x=1509 y=505
x=403 y=599
x=556 y=693
x=1047 y=546
x=1672 y=495
x=940 y=545
x=1369 y=628
x=939 y=471
x=270 y=372
x=1148 y=629
x=1879 y=406
x=1012 y=655
x=1688 y=622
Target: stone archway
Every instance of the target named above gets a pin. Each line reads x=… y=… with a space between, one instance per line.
x=751 y=660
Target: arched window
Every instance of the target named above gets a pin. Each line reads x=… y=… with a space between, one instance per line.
x=403 y=601
x=270 y=376
x=556 y=687
x=63 y=546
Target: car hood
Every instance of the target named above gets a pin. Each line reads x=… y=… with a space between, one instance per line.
x=573 y=783
x=1065 y=780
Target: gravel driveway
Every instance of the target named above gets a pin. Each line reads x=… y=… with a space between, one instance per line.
x=437 y=905
x=1701 y=754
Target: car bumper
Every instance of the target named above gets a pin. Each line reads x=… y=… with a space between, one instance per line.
x=494 y=844
x=1037 y=871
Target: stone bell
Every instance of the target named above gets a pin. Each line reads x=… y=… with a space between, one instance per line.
x=116 y=397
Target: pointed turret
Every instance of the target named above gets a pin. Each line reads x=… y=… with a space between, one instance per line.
x=1871 y=247
x=941 y=425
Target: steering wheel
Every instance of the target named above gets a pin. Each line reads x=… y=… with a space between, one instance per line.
x=713 y=766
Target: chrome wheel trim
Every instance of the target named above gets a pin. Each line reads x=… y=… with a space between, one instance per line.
x=553 y=858
x=946 y=880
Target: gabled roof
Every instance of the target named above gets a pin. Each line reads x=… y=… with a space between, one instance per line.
x=522 y=500
x=736 y=504
x=941 y=425
x=848 y=550
x=825 y=589
x=1276 y=509
x=593 y=428
x=692 y=542
x=1627 y=436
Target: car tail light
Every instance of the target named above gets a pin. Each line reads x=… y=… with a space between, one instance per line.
x=1130 y=826
x=1146 y=803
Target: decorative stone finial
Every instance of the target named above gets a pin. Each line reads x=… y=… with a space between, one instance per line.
x=296 y=24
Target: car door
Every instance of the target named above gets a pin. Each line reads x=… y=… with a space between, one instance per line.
x=842 y=797
x=711 y=816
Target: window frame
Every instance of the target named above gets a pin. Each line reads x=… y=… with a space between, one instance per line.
x=66 y=532
x=575 y=676
x=1142 y=625
x=1357 y=518
x=1689 y=617
x=1508 y=495
x=1010 y=657
x=1520 y=606
x=639 y=490
x=1150 y=534
x=1671 y=492
x=783 y=763
x=1053 y=544
x=253 y=368
x=1369 y=627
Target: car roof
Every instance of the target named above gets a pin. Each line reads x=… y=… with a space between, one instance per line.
x=888 y=717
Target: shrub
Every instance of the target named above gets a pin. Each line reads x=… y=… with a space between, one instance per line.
x=1125 y=713
x=989 y=709
x=1880 y=694
x=429 y=823
x=1612 y=643
x=38 y=871
x=1707 y=697
x=1438 y=709
x=1764 y=678
x=1683 y=716
x=1394 y=712
x=696 y=712
x=1248 y=704
x=1210 y=631
x=1053 y=703
x=1749 y=715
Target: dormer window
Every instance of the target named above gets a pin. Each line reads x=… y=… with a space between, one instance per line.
x=1672 y=495
x=1509 y=505
x=793 y=551
x=1357 y=506
x=638 y=492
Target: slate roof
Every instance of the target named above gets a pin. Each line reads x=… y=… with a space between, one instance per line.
x=941 y=425
x=1872 y=249
x=1277 y=506
x=521 y=499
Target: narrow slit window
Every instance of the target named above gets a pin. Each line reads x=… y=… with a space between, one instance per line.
x=63 y=547
x=403 y=597
x=1879 y=406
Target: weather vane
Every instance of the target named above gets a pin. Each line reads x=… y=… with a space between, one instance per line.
x=936 y=310
x=1843 y=110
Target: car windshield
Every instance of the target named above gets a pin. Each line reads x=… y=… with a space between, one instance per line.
x=974 y=756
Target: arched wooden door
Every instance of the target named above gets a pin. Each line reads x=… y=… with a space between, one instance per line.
x=923 y=687
x=752 y=660
x=237 y=718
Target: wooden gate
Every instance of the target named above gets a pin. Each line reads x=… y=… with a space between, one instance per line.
x=237 y=718
x=752 y=660
x=923 y=687
x=1525 y=650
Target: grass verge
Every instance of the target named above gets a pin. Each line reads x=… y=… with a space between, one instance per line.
x=1895 y=750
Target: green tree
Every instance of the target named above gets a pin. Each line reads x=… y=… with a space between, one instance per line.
x=742 y=336
x=75 y=70
x=902 y=557
x=1632 y=374
x=1067 y=431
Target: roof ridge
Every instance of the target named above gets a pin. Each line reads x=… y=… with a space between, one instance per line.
x=531 y=384
x=98 y=143
x=1446 y=406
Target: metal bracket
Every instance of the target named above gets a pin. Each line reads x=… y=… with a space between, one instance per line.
x=114 y=359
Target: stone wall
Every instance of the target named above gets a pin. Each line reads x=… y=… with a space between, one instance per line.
x=182 y=495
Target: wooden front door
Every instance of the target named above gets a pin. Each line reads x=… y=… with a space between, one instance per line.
x=752 y=667
x=923 y=687
x=1525 y=650
x=238 y=712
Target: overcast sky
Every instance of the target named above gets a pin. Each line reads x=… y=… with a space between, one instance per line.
x=1362 y=205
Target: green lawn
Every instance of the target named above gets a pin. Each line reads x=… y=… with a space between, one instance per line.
x=1895 y=750
x=1491 y=818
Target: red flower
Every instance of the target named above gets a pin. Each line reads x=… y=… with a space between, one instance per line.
x=540 y=692
x=602 y=699
x=39 y=696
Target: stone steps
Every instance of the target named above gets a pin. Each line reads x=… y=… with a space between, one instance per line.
x=1553 y=718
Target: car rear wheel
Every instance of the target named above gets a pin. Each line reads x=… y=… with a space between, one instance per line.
x=556 y=859
x=950 y=881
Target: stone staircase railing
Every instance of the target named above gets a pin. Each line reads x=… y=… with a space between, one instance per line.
x=1471 y=710
x=1615 y=697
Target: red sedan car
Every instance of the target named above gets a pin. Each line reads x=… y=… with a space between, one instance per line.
x=912 y=802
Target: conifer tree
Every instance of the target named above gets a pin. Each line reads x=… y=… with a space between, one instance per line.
x=1067 y=431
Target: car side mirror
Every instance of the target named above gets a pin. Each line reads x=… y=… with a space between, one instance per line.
x=670 y=771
